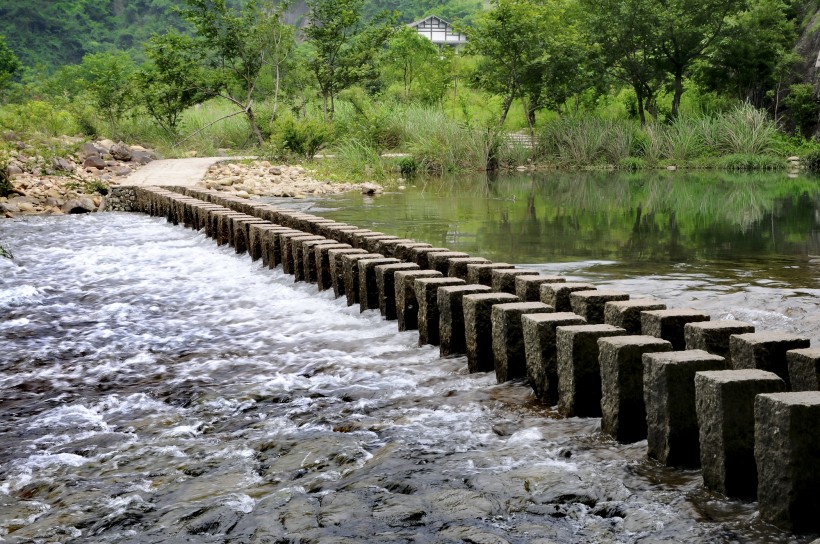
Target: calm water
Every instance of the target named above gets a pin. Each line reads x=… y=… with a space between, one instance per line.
x=156 y=388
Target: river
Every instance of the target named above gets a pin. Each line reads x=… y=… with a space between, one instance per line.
x=157 y=388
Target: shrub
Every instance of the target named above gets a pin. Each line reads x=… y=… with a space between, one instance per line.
x=632 y=164
x=745 y=161
x=301 y=137
x=811 y=161
x=745 y=130
x=804 y=106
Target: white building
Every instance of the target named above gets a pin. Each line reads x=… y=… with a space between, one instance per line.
x=438 y=31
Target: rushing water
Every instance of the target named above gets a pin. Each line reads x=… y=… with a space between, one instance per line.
x=156 y=388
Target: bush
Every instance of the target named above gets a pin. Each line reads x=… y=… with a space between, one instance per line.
x=811 y=161
x=804 y=106
x=632 y=164
x=746 y=161
x=745 y=130
x=301 y=137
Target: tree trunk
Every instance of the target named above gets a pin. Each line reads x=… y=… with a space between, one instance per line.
x=254 y=127
x=276 y=94
x=505 y=109
x=678 y=93
x=641 y=111
x=325 y=104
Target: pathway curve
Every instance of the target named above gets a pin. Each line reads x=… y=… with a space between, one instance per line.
x=179 y=172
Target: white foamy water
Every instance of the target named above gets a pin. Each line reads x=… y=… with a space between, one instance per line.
x=157 y=388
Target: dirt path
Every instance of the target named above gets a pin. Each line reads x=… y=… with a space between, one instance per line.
x=180 y=172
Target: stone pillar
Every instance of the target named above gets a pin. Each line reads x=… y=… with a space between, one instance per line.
x=451 y=317
x=257 y=242
x=540 y=339
x=508 y=338
x=669 y=395
x=478 y=328
x=297 y=249
x=337 y=270
x=579 y=372
x=557 y=294
x=274 y=245
x=787 y=452
x=669 y=324
x=404 y=251
x=385 y=276
x=388 y=247
x=351 y=268
x=428 y=315
x=528 y=288
x=804 y=369
x=309 y=250
x=353 y=236
x=407 y=307
x=504 y=279
x=361 y=237
x=324 y=274
x=713 y=336
x=373 y=242
x=421 y=255
x=368 y=288
x=623 y=413
x=627 y=313
x=287 y=250
x=765 y=351
x=440 y=260
x=725 y=401
x=458 y=266
x=590 y=304
x=242 y=233
x=482 y=273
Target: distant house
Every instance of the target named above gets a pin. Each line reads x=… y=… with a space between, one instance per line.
x=438 y=31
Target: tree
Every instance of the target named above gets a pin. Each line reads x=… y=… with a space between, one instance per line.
x=9 y=64
x=110 y=77
x=510 y=39
x=409 y=55
x=345 y=47
x=172 y=80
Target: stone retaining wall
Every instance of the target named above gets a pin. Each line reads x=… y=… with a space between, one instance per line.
x=710 y=394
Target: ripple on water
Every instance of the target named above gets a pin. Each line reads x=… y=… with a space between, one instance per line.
x=163 y=389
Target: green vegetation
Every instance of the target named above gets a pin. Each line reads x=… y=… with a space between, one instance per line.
x=604 y=84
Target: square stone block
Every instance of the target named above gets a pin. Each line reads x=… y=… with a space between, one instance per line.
x=787 y=452
x=557 y=294
x=504 y=279
x=352 y=236
x=451 y=317
x=368 y=286
x=804 y=369
x=713 y=336
x=725 y=402
x=337 y=270
x=590 y=304
x=440 y=260
x=387 y=247
x=541 y=353
x=361 y=237
x=309 y=257
x=289 y=242
x=404 y=252
x=372 y=243
x=324 y=280
x=528 y=288
x=256 y=245
x=765 y=351
x=669 y=324
x=482 y=273
x=508 y=338
x=579 y=372
x=421 y=255
x=407 y=306
x=627 y=313
x=297 y=249
x=669 y=396
x=623 y=412
x=478 y=328
x=385 y=275
x=351 y=268
x=458 y=266
x=428 y=316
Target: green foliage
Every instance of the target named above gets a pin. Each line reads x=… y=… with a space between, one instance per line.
x=811 y=161
x=38 y=117
x=301 y=137
x=96 y=186
x=9 y=64
x=755 y=162
x=109 y=78
x=804 y=105
x=632 y=164
x=412 y=59
x=5 y=183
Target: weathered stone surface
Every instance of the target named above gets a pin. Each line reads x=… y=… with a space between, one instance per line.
x=309 y=257
x=350 y=262
x=94 y=161
x=804 y=369
x=508 y=338
x=713 y=336
x=404 y=251
x=627 y=313
x=385 y=276
x=121 y=152
x=292 y=254
x=242 y=232
x=324 y=275
x=528 y=288
x=579 y=373
x=287 y=256
x=623 y=413
x=557 y=294
x=371 y=243
x=368 y=288
x=428 y=315
x=478 y=328
x=421 y=255
x=504 y=279
x=541 y=353
x=451 y=317
x=458 y=266
x=765 y=351
x=336 y=268
x=407 y=307
x=590 y=304
x=387 y=247
x=669 y=395
x=440 y=260
x=669 y=324
x=725 y=401
x=482 y=273
x=359 y=238
x=787 y=452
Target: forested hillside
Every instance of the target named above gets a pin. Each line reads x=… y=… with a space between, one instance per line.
x=58 y=32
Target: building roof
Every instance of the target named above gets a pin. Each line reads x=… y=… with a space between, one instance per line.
x=438 y=31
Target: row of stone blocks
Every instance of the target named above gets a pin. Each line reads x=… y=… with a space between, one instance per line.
x=647 y=371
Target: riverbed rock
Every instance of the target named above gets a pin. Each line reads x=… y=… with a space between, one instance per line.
x=79 y=205
x=120 y=152
x=94 y=161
